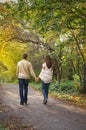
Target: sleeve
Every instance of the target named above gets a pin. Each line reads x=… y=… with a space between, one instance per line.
x=41 y=75
x=32 y=71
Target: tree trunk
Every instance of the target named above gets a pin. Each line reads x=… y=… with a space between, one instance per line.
x=84 y=78
x=57 y=71
x=58 y=75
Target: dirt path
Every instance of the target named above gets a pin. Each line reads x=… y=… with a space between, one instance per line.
x=56 y=115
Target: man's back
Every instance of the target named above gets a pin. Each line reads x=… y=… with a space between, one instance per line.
x=23 y=69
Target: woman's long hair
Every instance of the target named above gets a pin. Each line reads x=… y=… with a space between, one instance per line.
x=48 y=61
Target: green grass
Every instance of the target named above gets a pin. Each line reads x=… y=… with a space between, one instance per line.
x=70 y=95
x=37 y=86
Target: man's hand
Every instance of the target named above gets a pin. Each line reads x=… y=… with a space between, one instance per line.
x=37 y=79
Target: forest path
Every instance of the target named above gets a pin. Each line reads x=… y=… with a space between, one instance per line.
x=56 y=115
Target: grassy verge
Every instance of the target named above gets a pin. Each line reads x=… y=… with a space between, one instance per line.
x=73 y=98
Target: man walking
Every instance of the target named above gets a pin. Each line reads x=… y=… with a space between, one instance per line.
x=24 y=69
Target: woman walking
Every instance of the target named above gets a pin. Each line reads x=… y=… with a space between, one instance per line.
x=46 y=77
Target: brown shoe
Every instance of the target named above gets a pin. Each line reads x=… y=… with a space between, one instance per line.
x=44 y=102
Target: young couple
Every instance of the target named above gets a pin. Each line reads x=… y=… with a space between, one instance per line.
x=23 y=71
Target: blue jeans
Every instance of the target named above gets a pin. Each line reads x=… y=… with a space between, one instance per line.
x=23 y=90
x=45 y=88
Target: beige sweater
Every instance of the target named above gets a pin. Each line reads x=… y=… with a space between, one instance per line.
x=24 y=69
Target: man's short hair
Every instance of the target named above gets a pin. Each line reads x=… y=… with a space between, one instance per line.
x=25 y=56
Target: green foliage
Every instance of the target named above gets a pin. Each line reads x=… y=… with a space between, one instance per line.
x=37 y=86
x=64 y=86
x=77 y=84
x=69 y=94
x=61 y=28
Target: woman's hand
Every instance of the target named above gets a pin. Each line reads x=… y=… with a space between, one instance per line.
x=37 y=79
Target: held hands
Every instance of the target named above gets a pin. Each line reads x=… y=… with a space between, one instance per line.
x=37 y=79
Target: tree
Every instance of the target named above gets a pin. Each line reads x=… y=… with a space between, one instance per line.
x=57 y=27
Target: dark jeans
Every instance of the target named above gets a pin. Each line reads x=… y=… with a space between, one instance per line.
x=23 y=90
x=45 y=88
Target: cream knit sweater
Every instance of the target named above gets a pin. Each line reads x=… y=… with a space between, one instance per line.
x=24 y=69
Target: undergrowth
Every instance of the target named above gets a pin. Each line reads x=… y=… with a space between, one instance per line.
x=65 y=91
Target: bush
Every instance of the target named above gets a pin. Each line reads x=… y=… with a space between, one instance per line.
x=77 y=84
x=64 y=86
